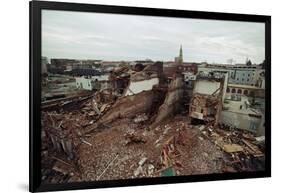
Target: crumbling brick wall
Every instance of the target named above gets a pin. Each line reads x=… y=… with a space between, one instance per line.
x=172 y=101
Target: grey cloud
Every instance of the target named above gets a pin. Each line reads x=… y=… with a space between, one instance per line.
x=126 y=37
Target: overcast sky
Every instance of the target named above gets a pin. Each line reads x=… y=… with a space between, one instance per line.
x=80 y=35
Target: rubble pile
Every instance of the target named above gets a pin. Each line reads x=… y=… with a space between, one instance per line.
x=204 y=107
x=65 y=130
x=143 y=151
x=129 y=149
x=242 y=151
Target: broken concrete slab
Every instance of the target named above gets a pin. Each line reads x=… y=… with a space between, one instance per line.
x=231 y=148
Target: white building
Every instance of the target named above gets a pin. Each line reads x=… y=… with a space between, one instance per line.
x=237 y=74
x=92 y=82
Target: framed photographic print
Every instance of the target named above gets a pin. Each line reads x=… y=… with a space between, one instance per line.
x=124 y=96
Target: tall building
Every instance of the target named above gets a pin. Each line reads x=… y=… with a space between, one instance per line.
x=179 y=59
x=180 y=56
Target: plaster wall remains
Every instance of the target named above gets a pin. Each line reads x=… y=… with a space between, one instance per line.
x=140 y=86
x=206 y=87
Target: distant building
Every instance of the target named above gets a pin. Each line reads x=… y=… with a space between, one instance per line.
x=179 y=66
x=44 y=62
x=188 y=67
x=92 y=82
x=247 y=90
x=245 y=76
x=238 y=74
x=75 y=67
x=179 y=59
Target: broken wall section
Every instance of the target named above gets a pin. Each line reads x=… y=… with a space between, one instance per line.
x=130 y=106
x=173 y=100
x=146 y=79
x=206 y=102
x=142 y=95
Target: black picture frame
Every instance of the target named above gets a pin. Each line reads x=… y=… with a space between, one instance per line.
x=35 y=93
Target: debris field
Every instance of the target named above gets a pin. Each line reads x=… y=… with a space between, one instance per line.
x=136 y=130
x=131 y=148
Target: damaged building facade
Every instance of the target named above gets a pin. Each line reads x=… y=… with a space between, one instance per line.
x=208 y=94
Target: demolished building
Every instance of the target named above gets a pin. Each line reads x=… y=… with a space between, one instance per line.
x=208 y=95
x=144 y=126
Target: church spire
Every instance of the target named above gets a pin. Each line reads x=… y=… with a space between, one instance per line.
x=180 y=56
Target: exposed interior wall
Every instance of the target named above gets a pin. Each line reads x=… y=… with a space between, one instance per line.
x=206 y=86
x=172 y=100
x=139 y=86
x=140 y=96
